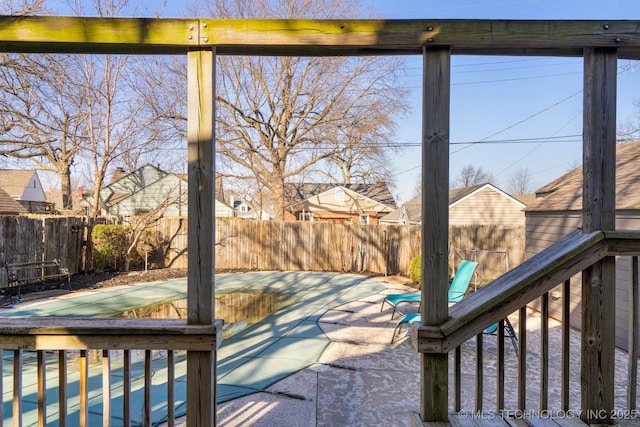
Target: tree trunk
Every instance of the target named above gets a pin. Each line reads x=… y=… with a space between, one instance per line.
x=65 y=185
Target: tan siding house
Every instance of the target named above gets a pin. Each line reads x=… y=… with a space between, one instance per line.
x=484 y=204
x=558 y=211
x=478 y=204
x=354 y=203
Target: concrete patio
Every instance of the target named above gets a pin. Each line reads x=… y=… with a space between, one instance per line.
x=363 y=380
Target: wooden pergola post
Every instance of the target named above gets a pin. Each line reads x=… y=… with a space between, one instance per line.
x=201 y=365
x=599 y=213
x=434 y=370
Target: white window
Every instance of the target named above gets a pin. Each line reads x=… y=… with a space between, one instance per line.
x=364 y=219
x=305 y=216
x=338 y=194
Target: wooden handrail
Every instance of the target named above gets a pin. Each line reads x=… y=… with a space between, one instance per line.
x=520 y=286
x=77 y=333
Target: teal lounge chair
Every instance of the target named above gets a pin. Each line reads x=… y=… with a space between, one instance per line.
x=491 y=330
x=457 y=289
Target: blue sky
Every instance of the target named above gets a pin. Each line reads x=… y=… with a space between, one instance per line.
x=510 y=98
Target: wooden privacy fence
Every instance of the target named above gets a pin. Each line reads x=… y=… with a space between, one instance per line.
x=495 y=248
x=320 y=246
x=35 y=239
x=272 y=245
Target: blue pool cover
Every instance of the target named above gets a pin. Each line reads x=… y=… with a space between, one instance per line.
x=283 y=343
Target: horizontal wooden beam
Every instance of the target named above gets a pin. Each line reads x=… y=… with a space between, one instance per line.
x=314 y=37
x=623 y=242
x=75 y=333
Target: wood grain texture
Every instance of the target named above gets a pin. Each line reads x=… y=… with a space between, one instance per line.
x=201 y=380
x=634 y=333
x=315 y=37
x=598 y=213
x=435 y=195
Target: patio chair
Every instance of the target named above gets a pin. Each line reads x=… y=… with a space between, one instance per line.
x=457 y=289
x=508 y=330
x=491 y=330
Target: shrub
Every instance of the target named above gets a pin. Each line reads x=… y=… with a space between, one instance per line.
x=415 y=270
x=110 y=243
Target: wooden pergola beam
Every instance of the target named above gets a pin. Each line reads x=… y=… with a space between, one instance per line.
x=315 y=37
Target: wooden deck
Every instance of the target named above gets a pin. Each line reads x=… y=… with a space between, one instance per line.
x=520 y=419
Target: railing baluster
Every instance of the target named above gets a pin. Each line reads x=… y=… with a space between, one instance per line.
x=566 y=330
x=106 y=388
x=171 y=398
x=41 y=370
x=38 y=345
x=84 y=388
x=479 y=372
x=544 y=352
x=457 y=362
x=17 y=388
x=62 y=388
x=1 y=388
x=126 y=388
x=522 y=359
x=147 y=387
x=633 y=334
x=500 y=368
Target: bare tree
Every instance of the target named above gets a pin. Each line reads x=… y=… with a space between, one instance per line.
x=21 y=7
x=42 y=116
x=471 y=175
x=520 y=182
x=123 y=128
x=362 y=151
x=87 y=110
x=280 y=116
x=629 y=130
x=142 y=223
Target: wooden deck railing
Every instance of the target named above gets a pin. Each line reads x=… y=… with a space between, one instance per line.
x=511 y=294
x=45 y=335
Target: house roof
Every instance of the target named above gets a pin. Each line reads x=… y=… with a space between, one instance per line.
x=15 y=181
x=565 y=192
x=378 y=192
x=8 y=206
x=411 y=211
x=458 y=195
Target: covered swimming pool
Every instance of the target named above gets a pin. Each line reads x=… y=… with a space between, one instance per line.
x=283 y=343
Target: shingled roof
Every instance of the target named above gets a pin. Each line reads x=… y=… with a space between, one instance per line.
x=565 y=193
x=14 y=181
x=8 y=206
x=378 y=192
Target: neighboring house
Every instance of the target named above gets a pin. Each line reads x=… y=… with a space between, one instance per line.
x=245 y=209
x=24 y=186
x=355 y=203
x=8 y=206
x=54 y=198
x=478 y=204
x=148 y=189
x=557 y=212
